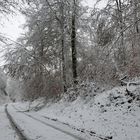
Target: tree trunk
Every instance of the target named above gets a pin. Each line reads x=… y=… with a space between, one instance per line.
x=136 y=24
x=73 y=44
x=121 y=51
x=63 y=48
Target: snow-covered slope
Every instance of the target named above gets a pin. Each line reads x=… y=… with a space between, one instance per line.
x=113 y=114
x=3 y=79
x=3 y=99
x=110 y=113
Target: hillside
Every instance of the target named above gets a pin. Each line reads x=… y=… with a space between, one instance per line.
x=111 y=114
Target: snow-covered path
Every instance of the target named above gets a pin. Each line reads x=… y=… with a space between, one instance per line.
x=6 y=131
x=37 y=127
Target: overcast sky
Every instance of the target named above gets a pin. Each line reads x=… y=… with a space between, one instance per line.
x=12 y=26
x=89 y=2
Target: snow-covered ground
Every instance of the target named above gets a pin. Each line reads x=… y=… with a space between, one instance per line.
x=34 y=126
x=6 y=131
x=94 y=115
x=110 y=113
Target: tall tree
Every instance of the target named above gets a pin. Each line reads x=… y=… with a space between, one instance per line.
x=73 y=42
x=62 y=5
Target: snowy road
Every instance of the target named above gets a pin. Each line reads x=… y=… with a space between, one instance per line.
x=6 y=130
x=36 y=127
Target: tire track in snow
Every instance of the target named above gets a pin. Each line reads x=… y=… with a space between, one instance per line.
x=52 y=126
x=18 y=130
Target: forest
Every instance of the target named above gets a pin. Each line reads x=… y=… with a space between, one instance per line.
x=67 y=42
x=73 y=73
